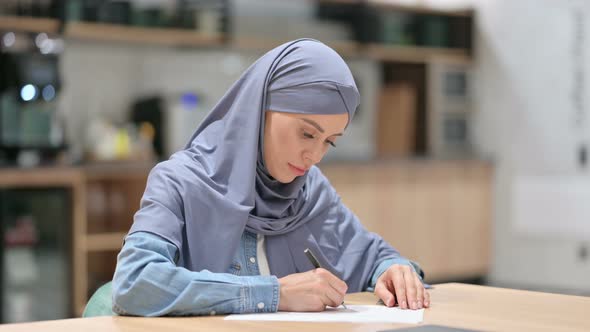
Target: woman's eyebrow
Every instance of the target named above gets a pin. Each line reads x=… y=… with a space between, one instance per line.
x=317 y=126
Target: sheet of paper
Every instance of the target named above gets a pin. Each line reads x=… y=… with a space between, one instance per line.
x=354 y=314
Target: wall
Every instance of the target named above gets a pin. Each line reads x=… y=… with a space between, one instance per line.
x=530 y=73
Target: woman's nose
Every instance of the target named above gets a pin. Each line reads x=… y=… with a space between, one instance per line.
x=313 y=156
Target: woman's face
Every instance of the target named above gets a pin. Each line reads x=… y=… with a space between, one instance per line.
x=295 y=142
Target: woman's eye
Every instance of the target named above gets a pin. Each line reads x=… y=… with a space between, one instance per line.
x=311 y=136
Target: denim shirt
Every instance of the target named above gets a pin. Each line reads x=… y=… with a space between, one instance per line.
x=147 y=281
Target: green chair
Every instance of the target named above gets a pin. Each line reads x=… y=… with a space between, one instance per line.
x=101 y=302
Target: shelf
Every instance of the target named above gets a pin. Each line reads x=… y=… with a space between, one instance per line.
x=344 y=48
x=401 y=6
x=419 y=9
x=42 y=177
x=105 y=241
x=117 y=170
x=138 y=35
x=29 y=24
x=193 y=38
x=342 y=2
x=415 y=54
x=379 y=52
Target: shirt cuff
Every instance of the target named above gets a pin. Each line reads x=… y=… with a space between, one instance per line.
x=384 y=266
x=261 y=294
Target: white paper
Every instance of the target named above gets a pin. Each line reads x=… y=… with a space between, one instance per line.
x=354 y=314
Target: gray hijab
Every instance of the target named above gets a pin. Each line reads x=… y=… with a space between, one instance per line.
x=205 y=196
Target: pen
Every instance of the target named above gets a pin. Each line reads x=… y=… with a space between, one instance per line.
x=314 y=261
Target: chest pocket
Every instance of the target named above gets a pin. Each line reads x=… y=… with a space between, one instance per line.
x=235 y=268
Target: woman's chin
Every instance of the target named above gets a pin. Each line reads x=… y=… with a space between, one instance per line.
x=284 y=176
x=285 y=179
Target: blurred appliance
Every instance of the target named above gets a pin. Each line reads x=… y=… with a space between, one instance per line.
x=450 y=106
x=28 y=107
x=150 y=110
x=184 y=113
x=174 y=118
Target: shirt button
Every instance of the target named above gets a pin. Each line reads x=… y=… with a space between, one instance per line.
x=260 y=305
x=252 y=260
x=212 y=313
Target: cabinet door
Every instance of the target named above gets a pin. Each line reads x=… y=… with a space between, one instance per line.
x=437 y=214
x=396 y=120
x=36 y=255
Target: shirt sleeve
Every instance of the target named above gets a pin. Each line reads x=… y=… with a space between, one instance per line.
x=389 y=262
x=147 y=282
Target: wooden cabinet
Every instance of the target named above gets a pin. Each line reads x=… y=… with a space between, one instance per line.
x=104 y=199
x=112 y=193
x=434 y=212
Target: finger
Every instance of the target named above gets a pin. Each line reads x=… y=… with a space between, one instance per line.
x=419 y=291
x=331 y=296
x=392 y=289
x=328 y=294
x=339 y=285
x=410 y=287
x=426 y=298
x=399 y=286
x=384 y=293
x=338 y=295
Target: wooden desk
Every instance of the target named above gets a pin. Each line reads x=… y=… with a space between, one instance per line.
x=457 y=305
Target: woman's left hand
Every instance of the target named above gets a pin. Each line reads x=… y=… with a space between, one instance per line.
x=401 y=284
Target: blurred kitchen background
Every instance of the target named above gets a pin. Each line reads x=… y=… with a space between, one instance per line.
x=469 y=152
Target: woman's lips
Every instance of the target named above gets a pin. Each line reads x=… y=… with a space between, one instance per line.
x=297 y=170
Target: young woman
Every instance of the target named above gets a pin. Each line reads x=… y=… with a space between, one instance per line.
x=224 y=223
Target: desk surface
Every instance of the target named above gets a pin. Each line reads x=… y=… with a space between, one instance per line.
x=457 y=305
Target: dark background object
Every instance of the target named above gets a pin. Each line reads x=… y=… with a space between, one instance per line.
x=27 y=124
x=37 y=69
x=115 y=12
x=375 y=24
x=150 y=109
x=583 y=156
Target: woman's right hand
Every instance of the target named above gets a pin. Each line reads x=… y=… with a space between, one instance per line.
x=311 y=291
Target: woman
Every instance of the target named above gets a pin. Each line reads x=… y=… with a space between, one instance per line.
x=224 y=223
